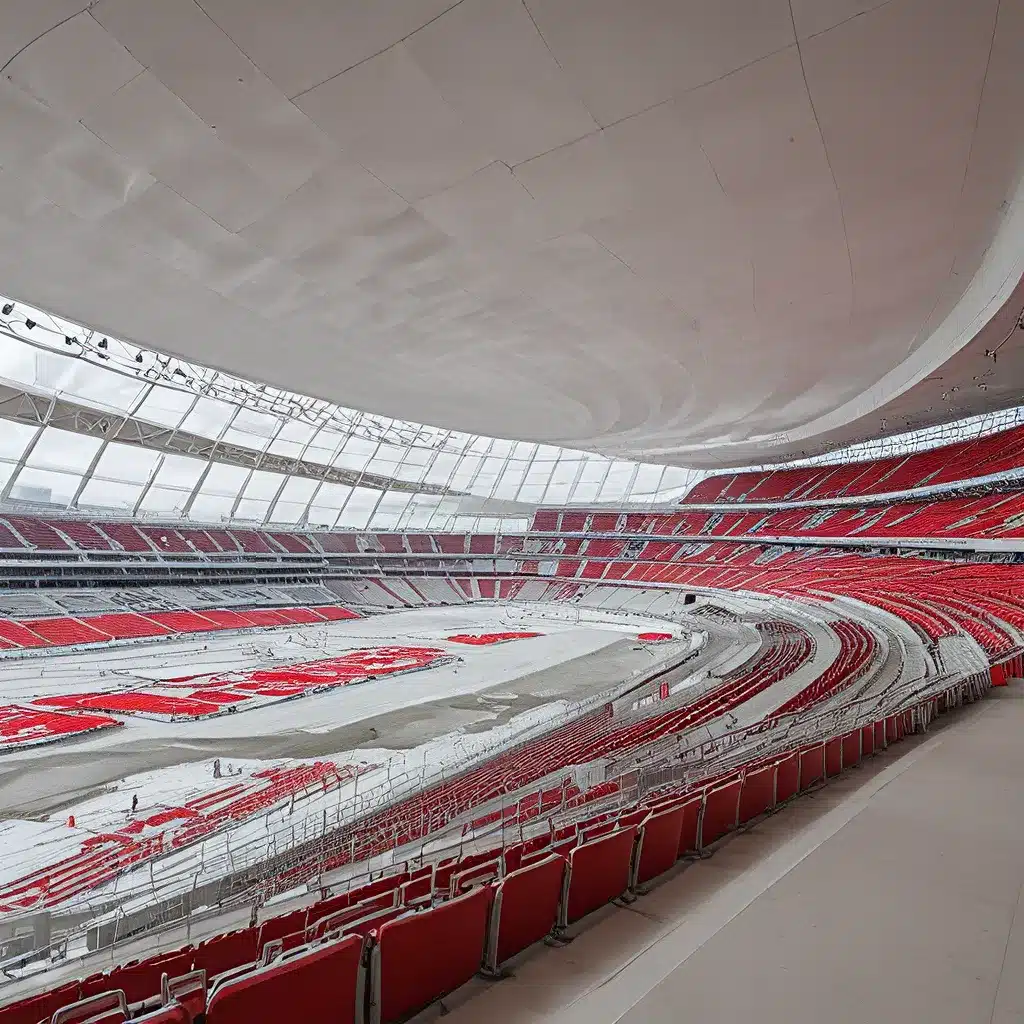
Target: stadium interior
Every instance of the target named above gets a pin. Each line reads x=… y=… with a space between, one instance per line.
x=511 y=510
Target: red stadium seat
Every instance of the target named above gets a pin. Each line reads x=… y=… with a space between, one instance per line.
x=279 y=927
x=721 y=808
x=423 y=956
x=757 y=795
x=226 y=952
x=812 y=766
x=38 y=533
x=525 y=909
x=317 y=984
x=689 y=832
x=41 y=1007
x=66 y=631
x=598 y=873
x=141 y=981
x=659 y=844
x=787 y=778
x=321 y=920
x=851 y=749
x=833 y=757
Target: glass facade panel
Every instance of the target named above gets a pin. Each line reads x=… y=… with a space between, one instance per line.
x=108 y=494
x=62 y=450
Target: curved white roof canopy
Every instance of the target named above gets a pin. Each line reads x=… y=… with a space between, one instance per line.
x=90 y=424
x=643 y=228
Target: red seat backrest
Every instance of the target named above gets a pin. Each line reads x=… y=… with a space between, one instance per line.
x=721 y=807
x=317 y=986
x=103 y=1008
x=346 y=915
x=41 y=1007
x=470 y=860
x=417 y=889
x=593 y=831
x=598 y=873
x=539 y=843
x=279 y=927
x=421 y=957
x=633 y=817
x=443 y=872
x=758 y=793
x=227 y=951
x=525 y=909
x=659 y=843
x=363 y=894
x=141 y=981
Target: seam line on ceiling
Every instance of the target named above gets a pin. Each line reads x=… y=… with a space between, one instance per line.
x=828 y=161
x=977 y=117
x=45 y=32
x=846 y=21
x=558 y=63
x=258 y=70
x=390 y=46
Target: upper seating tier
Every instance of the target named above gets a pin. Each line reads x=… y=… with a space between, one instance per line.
x=953 y=463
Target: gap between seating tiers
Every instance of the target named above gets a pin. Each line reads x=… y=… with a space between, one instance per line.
x=377 y=954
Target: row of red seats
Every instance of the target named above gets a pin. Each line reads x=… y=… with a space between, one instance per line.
x=22 y=725
x=94 y=629
x=103 y=857
x=997 y=515
x=992 y=516
x=857 y=648
x=134 y=702
x=383 y=952
x=21 y=532
x=962 y=461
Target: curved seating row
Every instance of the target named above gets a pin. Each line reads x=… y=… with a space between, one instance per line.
x=26 y=634
x=964 y=460
x=998 y=515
